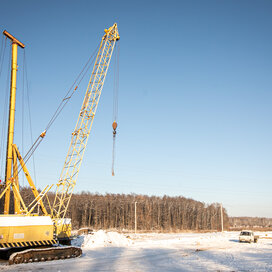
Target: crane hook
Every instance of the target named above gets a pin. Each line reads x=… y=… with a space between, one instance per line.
x=114 y=126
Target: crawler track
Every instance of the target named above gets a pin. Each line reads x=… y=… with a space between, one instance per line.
x=45 y=254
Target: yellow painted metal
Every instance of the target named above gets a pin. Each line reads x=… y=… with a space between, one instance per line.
x=11 y=178
x=4 y=191
x=29 y=179
x=20 y=202
x=20 y=205
x=16 y=182
x=13 y=39
x=69 y=174
x=27 y=233
x=12 y=103
x=36 y=234
x=38 y=199
x=63 y=230
x=11 y=125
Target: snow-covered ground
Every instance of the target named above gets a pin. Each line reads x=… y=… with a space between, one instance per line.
x=111 y=251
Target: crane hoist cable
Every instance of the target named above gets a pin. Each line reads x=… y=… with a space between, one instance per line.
x=5 y=111
x=25 y=91
x=72 y=89
x=2 y=52
x=23 y=114
x=2 y=57
x=61 y=106
x=115 y=105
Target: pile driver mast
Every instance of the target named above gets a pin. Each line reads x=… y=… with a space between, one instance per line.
x=10 y=158
x=13 y=155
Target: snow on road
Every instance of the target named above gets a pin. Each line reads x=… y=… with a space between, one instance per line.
x=111 y=251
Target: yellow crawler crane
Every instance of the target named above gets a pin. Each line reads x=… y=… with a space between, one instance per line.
x=24 y=229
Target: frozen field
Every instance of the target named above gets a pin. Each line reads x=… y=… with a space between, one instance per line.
x=110 y=251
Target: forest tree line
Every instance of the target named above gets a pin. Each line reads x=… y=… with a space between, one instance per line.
x=153 y=213
x=250 y=222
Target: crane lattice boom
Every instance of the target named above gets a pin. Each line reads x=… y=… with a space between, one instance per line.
x=69 y=174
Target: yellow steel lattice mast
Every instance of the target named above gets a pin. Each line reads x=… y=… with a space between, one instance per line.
x=69 y=174
x=10 y=162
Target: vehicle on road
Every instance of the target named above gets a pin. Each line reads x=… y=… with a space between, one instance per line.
x=248 y=236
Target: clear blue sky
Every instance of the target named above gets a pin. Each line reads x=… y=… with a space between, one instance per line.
x=194 y=100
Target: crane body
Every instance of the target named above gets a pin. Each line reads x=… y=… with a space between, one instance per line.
x=24 y=228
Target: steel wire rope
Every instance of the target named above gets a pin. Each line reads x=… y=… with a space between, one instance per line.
x=28 y=103
x=2 y=53
x=116 y=84
x=115 y=105
x=2 y=42
x=29 y=112
x=23 y=111
x=5 y=110
x=2 y=56
x=61 y=106
x=71 y=90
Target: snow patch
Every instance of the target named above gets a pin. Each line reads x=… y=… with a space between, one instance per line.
x=102 y=238
x=160 y=252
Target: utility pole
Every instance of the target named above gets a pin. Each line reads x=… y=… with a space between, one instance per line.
x=135 y=213
x=222 y=226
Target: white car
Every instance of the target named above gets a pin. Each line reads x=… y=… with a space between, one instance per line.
x=248 y=236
